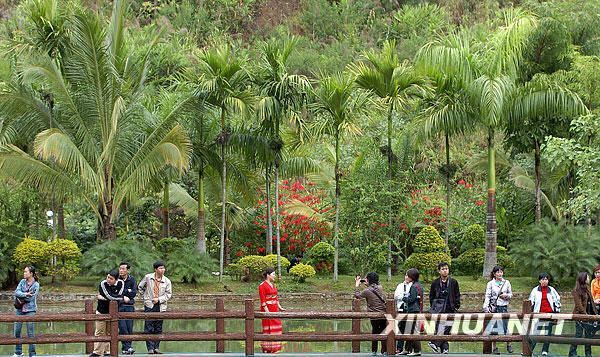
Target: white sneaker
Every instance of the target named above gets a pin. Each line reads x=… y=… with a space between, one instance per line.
x=414 y=354
x=544 y=353
x=433 y=347
x=17 y=355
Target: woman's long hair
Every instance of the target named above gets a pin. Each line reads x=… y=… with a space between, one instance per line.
x=33 y=272
x=581 y=283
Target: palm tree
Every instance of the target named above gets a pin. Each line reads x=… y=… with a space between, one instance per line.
x=339 y=106
x=446 y=111
x=96 y=149
x=223 y=83
x=282 y=95
x=396 y=85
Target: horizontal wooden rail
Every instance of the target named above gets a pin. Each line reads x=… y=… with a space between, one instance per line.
x=250 y=336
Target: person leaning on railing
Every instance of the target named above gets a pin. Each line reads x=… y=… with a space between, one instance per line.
x=544 y=299
x=584 y=305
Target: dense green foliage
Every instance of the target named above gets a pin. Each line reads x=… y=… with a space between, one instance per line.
x=152 y=129
x=302 y=272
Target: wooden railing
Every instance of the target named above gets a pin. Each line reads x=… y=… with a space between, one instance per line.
x=249 y=336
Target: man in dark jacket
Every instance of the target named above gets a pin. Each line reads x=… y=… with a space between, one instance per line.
x=109 y=289
x=126 y=326
x=444 y=297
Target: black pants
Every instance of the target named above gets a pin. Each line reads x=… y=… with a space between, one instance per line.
x=409 y=328
x=377 y=327
x=549 y=325
x=443 y=345
x=126 y=326
x=153 y=327
x=583 y=329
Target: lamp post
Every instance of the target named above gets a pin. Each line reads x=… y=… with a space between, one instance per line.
x=51 y=223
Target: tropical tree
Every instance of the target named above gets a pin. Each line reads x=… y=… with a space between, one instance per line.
x=282 y=95
x=223 y=83
x=396 y=85
x=338 y=106
x=96 y=150
x=446 y=110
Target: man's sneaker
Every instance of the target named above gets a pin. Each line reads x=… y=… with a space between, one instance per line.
x=403 y=353
x=496 y=351
x=509 y=349
x=445 y=352
x=544 y=353
x=433 y=347
x=414 y=354
x=17 y=355
x=124 y=352
x=131 y=351
x=94 y=355
x=157 y=352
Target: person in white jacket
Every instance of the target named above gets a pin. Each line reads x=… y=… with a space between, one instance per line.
x=544 y=299
x=497 y=297
x=401 y=291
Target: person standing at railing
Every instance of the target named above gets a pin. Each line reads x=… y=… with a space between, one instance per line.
x=26 y=305
x=498 y=293
x=584 y=305
x=109 y=289
x=444 y=297
x=269 y=302
x=401 y=291
x=156 y=289
x=375 y=297
x=544 y=299
x=126 y=326
x=414 y=305
x=595 y=287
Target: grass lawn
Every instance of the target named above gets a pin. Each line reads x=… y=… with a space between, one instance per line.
x=322 y=284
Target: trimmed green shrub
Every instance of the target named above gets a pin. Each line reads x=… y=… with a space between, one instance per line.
x=234 y=271
x=67 y=255
x=32 y=251
x=428 y=247
x=472 y=238
x=471 y=261
x=321 y=256
x=256 y=265
x=302 y=271
x=272 y=260
x=426 y=263
x=428 y=240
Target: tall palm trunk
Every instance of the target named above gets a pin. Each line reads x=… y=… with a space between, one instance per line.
x=165 y=211
x=277 y=230
x=269 y=238
x=201 y=234
x=491 y=233
x=336 y=229
x=223 y=194
x=390 y=177
x=447 y=235
x=60 y=220
x=538 y=184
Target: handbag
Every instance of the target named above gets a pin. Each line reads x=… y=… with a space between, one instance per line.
x=19 y=303
x=492 y=306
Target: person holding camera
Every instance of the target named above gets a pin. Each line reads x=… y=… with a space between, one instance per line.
x=444 y=297
x=497 y=297
x=375 y=297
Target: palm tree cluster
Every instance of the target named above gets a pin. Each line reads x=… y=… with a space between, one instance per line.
x=78 y=122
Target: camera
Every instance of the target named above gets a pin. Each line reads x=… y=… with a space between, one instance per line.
x=363 y=281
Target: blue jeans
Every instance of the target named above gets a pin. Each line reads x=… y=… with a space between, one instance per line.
x=30 y=332
x=126 y=326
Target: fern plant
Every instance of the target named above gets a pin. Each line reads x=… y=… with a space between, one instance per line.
x=559 y=249
x=98 y=260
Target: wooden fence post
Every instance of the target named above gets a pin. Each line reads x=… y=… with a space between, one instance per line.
x=525 y=346
x=390 y=308
x=113 y=310
x=249 y=326
x=487 y=345
x=356 y=326
x=89 y=325
x=220 y=322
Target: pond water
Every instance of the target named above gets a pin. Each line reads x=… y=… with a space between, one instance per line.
x=237 y=326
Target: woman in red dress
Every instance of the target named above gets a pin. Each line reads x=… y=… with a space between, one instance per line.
x=269 y=302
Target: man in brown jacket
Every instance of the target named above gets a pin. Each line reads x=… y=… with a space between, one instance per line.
x=375 y=297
